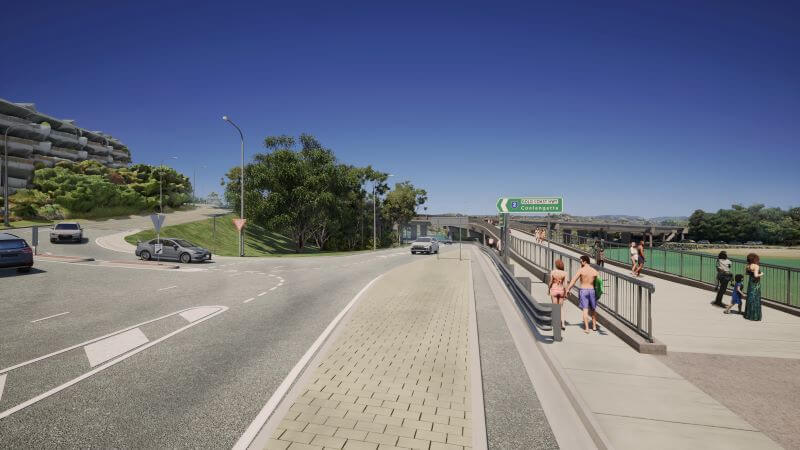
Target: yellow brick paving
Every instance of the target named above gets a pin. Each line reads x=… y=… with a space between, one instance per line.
x=398 y=375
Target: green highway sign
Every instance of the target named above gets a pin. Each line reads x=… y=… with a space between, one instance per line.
x=530 y=205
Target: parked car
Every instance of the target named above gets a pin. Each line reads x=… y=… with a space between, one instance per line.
x=66 y=232
x=752 y=243
x=703 y=241
x=689 y=241
x=720 y=243
x=424 y=244
x=173 y=248
x=15 y=253
x=448 y=242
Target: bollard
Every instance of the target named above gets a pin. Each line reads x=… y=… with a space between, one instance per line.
x=35 y=239
x=555 y=319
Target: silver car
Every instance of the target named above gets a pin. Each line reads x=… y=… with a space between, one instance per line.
x=425 y=244
x=172 y=248
x=66 y=232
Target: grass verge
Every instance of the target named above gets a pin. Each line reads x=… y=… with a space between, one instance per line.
x=220 y=236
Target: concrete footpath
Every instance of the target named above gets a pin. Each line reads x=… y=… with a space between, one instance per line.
x=638 y=400
x=397 y=375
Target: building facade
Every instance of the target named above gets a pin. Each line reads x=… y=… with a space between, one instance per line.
x=31 y=147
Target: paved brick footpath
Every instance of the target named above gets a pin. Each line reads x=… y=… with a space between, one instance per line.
x=398 y=374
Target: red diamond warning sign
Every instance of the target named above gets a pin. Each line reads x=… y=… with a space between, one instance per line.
x=239 y=223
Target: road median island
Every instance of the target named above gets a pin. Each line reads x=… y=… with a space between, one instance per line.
x=396 y=373
x=64 y=258
x=150 y=264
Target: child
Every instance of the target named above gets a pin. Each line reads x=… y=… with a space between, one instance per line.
x=736 y=296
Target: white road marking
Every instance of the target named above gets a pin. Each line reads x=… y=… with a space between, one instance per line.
x=262 y=294
x=198 y=313
x=272 y=275
x=49 y=317
x=58 y=389
x=164 y=289
x=249 y=300
x=2 y=384
x=273 y=288
x=111 y=347
x=262 y=417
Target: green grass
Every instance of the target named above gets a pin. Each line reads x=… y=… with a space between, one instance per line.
x=225 y=241
x=778 y=284
x=26 y=223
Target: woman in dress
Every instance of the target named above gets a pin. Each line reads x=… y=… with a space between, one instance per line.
x=752 y=310
x=557 y=291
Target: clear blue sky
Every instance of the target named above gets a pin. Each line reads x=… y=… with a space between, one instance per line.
x=645 y=108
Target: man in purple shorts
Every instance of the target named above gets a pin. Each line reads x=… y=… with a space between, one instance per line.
x=586 y=295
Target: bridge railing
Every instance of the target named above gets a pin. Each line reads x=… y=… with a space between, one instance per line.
x=780 y=284
x=626 y=298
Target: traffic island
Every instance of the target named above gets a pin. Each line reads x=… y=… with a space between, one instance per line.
x=149 y=264
x=64 y=258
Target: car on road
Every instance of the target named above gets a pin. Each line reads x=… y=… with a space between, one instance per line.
x=15 y=253
x=66 y=232
x=703 y=241
x=424 y=244
x=689 y=241
x=448 y=242
x=172 y=248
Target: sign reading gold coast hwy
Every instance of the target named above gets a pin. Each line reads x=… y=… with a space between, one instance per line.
x=530 y=205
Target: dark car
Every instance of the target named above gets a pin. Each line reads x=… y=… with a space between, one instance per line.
x=15 y=253
x=173 y=248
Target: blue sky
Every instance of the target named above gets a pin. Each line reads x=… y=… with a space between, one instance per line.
x=626 y=108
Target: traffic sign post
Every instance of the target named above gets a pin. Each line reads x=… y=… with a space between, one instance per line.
x=158 y=221
x=239 y=224
x=530 y=205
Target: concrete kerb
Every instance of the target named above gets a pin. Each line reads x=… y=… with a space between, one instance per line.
x=65 y=258
x=621 y=330
x=479 y=437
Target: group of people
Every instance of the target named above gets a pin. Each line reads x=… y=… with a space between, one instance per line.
x=539 y=235
x=587 y=294
x=637 y=258
x=752 y=309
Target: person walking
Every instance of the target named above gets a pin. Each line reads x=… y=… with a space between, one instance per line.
x=586 y=294
x=752 y=310
x=599 y=252
x=737 y=295
x=640 y=258
x=557 y=291
x=634 y=257
x=723 y=276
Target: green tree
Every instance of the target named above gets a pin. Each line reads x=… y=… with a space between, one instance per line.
x=402 y=202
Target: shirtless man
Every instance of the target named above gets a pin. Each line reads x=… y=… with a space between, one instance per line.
x=641 y=260
x=586 y=296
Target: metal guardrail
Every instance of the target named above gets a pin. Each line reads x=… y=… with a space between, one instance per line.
x=626 y=298
x=541 y=315
x=780 y=284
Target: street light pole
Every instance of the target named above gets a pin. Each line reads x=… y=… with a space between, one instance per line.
x=241 y=214
x=6 y=215
x=375 y=214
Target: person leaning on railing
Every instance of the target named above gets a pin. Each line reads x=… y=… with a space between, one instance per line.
x=723 y=276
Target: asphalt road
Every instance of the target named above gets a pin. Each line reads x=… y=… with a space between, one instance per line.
x=203 y=378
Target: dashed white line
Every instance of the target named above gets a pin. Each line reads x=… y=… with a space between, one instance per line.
x=273 y=288
x=170 y=287
x=49 y=317
x=249 y=300
x=262 y=294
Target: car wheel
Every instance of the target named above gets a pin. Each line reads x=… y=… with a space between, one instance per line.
x=24 y=269
x=145 y=255
x=186 y=258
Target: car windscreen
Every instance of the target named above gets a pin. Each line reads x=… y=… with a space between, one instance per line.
x=424 y=239
x=67 y=226
x=183 y=243
x=12 y=244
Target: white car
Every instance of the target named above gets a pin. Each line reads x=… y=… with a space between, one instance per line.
x=66 y=232
x=425 y=244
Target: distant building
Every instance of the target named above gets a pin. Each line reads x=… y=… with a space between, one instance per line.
x=29 y=149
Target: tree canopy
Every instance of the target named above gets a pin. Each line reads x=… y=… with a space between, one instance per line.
x=753 y=223
x=301 y=189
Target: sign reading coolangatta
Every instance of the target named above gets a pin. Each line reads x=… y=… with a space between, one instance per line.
x=530 y=205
